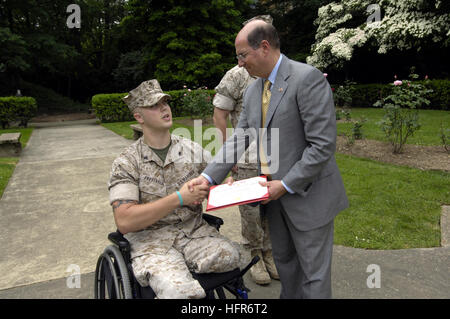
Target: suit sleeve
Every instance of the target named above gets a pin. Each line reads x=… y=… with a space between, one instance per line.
x=316 y=107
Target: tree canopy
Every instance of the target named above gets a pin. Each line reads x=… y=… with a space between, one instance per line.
x=120 y=43
x=180 y=42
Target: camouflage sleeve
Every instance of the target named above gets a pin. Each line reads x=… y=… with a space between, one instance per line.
x=201 y=156
x=124 y=180
x=227 y=92
x=223 y=102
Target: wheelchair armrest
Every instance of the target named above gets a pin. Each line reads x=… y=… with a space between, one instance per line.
x=118 y=239
x=213 y=220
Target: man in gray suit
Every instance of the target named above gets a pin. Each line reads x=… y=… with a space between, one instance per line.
x=305 y=186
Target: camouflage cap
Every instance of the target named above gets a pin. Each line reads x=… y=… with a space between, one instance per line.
x=147 y=94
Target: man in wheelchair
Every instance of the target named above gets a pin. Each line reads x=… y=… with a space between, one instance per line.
x=154 y=209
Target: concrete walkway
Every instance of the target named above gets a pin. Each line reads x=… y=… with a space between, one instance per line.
x=54 y=214
x=55 y=211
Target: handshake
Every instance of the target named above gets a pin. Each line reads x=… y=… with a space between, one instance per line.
x=195 y=191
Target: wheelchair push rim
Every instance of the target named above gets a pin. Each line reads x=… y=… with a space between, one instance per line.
x=111 y=276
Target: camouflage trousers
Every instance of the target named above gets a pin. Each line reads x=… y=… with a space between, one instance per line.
x=169 y=274
x=255 y=229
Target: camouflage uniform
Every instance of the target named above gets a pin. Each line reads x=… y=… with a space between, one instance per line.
x=164 y=253
x=229 y=96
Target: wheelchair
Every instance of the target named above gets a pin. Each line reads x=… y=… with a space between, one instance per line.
x=114 y=278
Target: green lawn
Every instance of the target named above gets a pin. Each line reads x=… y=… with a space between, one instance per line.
x=391 y=207
x=428 y=134
x=7 y=164
x=121 y=128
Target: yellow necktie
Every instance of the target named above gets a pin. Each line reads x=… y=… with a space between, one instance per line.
x=265 y=101
x=264 y=107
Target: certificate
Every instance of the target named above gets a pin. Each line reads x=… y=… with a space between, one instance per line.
x=240 y=192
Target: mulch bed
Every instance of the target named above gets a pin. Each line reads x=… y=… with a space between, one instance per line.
x=417 y=156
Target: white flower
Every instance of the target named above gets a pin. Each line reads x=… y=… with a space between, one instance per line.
x=405 y=23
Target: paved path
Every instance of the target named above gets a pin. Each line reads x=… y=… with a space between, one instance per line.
x=55 y=213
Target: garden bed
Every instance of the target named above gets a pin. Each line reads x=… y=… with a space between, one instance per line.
x=417 y=156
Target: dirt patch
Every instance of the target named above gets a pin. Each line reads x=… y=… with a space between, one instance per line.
x=417 y=156
x=62 y=117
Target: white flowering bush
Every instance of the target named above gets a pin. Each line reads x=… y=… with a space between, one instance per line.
x=404 y=24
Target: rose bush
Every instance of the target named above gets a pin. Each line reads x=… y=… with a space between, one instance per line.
x=401 y=118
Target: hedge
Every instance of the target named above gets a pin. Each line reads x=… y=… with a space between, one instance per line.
x=440 y=98
x=111 y=108
x=365 y=95
x=17 y=109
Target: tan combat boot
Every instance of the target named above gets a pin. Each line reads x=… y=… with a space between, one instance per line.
x=258 y=272
x=270 y=264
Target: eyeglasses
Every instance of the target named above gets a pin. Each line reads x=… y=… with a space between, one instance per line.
x=242 y=56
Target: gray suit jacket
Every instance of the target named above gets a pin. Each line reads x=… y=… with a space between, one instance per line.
x=301 y=141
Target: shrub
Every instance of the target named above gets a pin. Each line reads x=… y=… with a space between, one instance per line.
x=357 y=128
x=111 y=108
x=13 y=109
x=401 y=118
x=440 y=95
x=189 y=103
x=343 y=94
x=343 y=113
x=198 y=103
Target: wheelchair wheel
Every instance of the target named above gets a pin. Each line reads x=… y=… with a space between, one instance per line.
x=111 y=276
